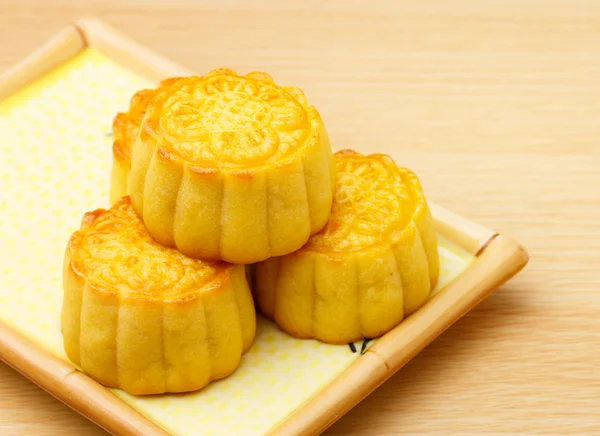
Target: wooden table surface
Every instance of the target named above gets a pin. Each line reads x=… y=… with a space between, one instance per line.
x=495 y=104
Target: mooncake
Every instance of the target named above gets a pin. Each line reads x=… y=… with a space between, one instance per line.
x=373 y=264
x=146 y=318
x=231 y=167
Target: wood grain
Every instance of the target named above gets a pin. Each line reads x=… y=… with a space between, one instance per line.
x=495 y=104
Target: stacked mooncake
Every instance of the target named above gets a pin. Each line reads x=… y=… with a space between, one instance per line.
x=214 y=173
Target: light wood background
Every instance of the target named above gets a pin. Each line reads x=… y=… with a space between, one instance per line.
x=495 y=104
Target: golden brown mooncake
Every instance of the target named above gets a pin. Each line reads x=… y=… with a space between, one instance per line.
x=146 y=318
x=373 y=264
x=231 y=167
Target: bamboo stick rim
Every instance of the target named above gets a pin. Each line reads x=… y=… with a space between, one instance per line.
x=57 y=50
x=128 y=52
x=470 y=236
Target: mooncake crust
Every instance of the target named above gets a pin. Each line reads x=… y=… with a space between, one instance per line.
x=228 y=167
x=373 y=264
x=145 y=318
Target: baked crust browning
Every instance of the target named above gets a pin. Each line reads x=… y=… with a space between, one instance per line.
x=372 y=198
x=373 y=264
x=115 y=254
x=224 y=120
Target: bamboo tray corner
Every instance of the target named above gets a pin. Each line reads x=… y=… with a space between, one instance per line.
x=496 y=258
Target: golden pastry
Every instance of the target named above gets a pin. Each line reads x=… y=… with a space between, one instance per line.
x=145 y=318
x=374 y=263
x=126 y=127
x=231 y=167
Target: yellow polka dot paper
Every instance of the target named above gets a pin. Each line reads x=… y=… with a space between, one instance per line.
x=55 y=166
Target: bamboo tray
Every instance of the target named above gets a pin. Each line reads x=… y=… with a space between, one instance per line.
x=56 y=108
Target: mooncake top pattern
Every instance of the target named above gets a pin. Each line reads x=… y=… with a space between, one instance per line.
x=373 y=202
x=226 y=120
x=114 y=253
